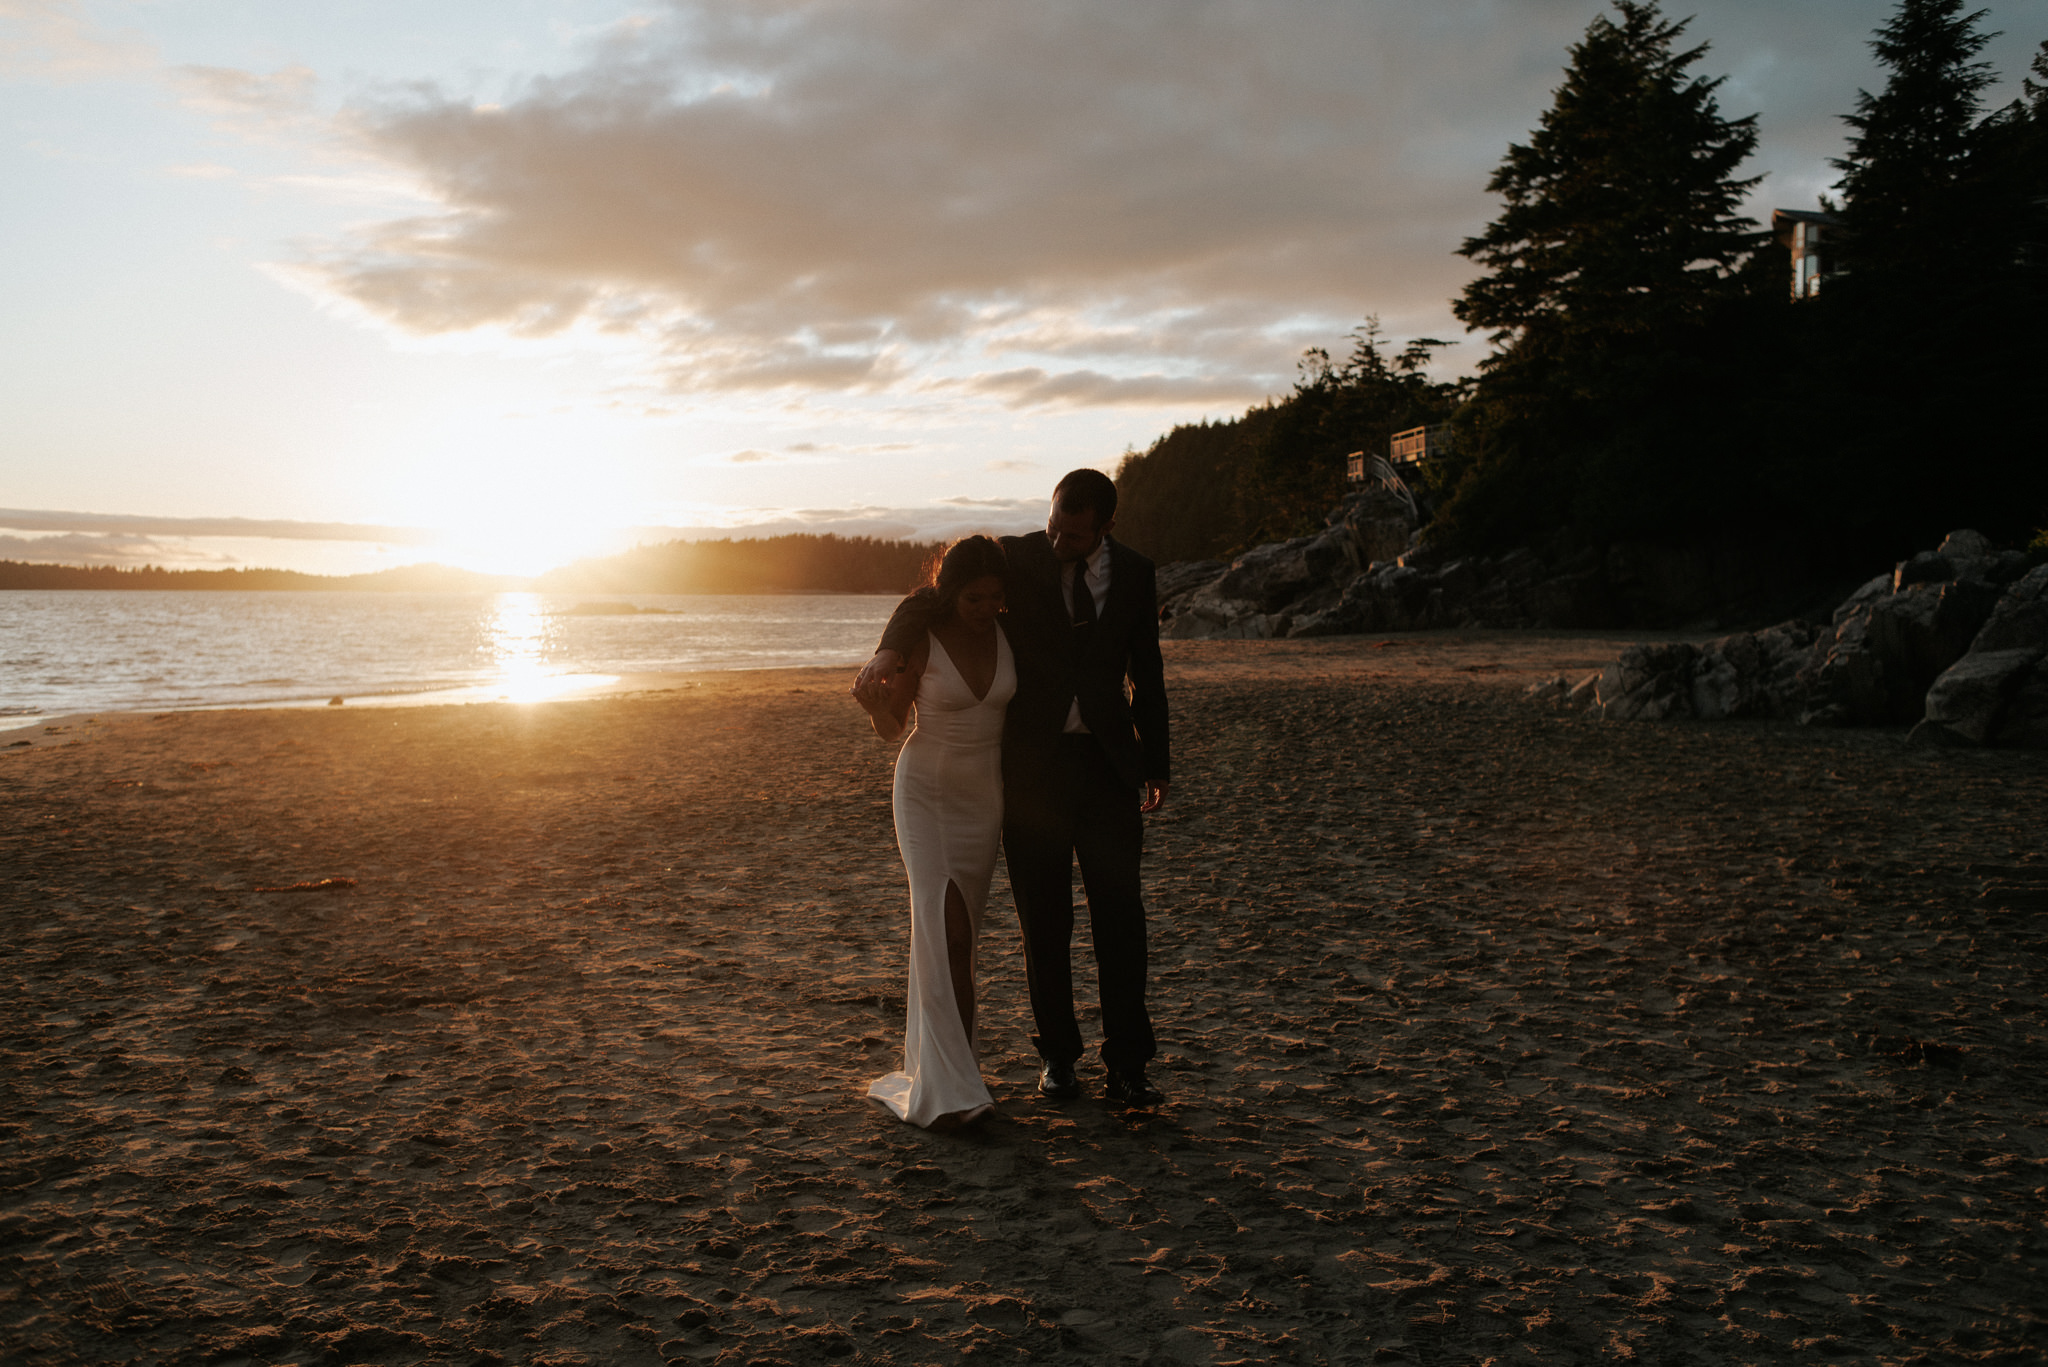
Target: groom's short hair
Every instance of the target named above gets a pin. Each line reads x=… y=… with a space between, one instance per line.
x=1087 y=491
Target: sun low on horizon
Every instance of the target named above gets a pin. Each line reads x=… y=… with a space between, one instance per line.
x=337 y=286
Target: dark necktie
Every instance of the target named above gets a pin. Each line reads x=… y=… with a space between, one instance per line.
x=1084 y=597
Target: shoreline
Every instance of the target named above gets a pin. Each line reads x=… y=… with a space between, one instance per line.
x=547 y=689
x=1518 y=654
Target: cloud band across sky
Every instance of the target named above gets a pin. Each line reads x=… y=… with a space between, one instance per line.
x=1056 y=203
x=269 y=529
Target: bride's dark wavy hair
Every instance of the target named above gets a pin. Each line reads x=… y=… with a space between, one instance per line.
x=966 y=560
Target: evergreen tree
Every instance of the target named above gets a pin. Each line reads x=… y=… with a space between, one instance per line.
x=1619 y=250
x=1177 y=499
x=1929 y=348
x=1621 y=211
x=1909 y=159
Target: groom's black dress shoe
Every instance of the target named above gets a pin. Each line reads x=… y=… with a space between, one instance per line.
x=1058 y=1081
x=1128 y=1087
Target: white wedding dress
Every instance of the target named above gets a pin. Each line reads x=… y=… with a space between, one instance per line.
x=949 y=821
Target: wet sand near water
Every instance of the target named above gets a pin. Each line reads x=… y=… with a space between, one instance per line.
x=1492 y=1034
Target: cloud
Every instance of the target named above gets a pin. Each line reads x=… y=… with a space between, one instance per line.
x=58 y=40
x=30 y=520
x=246 y=101
x=1065 y=203
x=798 y=196
x=944 y=520
x=1005 y=466
x=1032 y=387
x=74 y=548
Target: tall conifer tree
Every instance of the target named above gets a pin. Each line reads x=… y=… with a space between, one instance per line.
x=1910 y=155
x=1932 y=348
x=1622 y=209
x=1620 y=244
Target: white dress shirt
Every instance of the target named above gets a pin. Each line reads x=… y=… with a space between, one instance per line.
x=1096 y=568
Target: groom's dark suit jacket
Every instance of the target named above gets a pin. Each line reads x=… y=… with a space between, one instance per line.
x=1114 y=667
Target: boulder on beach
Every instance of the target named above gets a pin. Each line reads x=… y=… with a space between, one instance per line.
x=1997 y=693
x=1893 y=638
x=1955 y=639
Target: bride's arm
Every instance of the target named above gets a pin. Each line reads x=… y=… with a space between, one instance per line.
x=903 y=638
x=887 y=700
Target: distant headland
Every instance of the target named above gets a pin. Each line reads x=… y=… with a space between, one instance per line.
x=796 y=563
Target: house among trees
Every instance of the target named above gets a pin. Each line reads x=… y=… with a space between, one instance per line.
x=1406 y=452
x=1409 y=450
x=1801 y=231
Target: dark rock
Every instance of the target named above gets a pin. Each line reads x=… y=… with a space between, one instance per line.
x=1888 y=648
x=1990 y=695
x=1966 y=545
x=1753 y=674
x=1184 y=576
x=1380 y=523
x=1874 y=588
x=1648 y=683
x=1268 y=576
x=1969 y=700
x=1272 y=576
x=1209 y=614
x=1928 y=567
x=2020 y=619
x=2025 y=724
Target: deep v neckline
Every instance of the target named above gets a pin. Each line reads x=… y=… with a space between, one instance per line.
x=961 y=674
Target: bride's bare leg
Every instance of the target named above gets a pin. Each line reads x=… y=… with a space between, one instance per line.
x=960 y=955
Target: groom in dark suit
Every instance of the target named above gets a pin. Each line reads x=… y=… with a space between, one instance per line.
x=1084 y=753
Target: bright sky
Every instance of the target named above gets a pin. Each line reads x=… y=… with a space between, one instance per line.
x=341 y=284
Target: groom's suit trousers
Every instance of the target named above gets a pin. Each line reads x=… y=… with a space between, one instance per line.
x=1064 y=805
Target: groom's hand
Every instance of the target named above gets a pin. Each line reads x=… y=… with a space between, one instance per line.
x=874 y=676
x=1155 y=796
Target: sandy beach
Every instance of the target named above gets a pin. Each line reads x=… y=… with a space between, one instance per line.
x=1491 y=1035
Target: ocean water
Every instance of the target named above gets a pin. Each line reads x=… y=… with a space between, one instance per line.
x=71 y=652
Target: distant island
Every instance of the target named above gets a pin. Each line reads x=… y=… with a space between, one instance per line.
x=800 y=562
x=20 y=574
x=796 y=563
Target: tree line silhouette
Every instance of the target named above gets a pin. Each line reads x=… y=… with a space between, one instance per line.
x=1652 y=379
x=21 y=574
x=801 y=562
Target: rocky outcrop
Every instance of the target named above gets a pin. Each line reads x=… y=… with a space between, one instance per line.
x=1891 y=642
x=1749 y=674
x=1997 y=693
x=1267 y=589
x=1365 y=572
x=1955 y=638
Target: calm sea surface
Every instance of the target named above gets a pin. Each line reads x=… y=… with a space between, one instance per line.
x=112 y=651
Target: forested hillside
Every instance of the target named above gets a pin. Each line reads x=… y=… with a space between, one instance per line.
x=800 y=562
x=1211 y=489
x=1652 y=380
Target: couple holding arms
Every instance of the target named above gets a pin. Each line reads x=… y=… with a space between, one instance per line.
x=1039 y=703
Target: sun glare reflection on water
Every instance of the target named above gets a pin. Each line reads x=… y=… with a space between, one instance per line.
x=521 y=637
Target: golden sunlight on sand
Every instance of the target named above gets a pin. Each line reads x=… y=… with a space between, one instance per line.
x=499 y=1033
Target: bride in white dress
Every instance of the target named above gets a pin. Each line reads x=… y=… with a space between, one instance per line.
x=949 y=821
